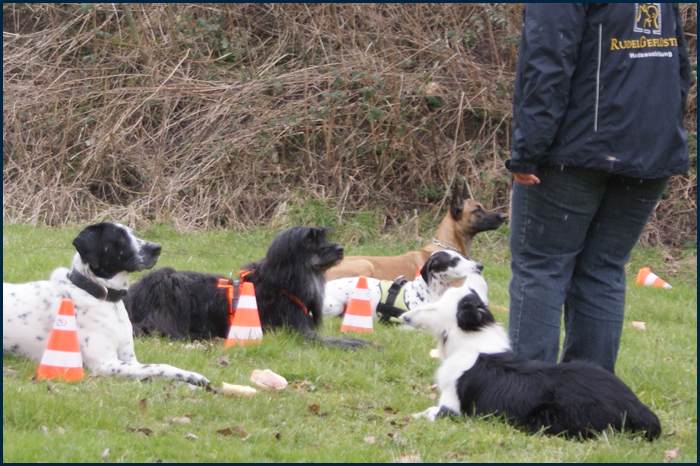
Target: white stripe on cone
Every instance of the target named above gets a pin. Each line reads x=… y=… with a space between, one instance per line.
x=245 y=333
x=247 y=302
x=61 y=359
x=361 y=294
x=352 y=320
x=67 y=323
x=651 y=278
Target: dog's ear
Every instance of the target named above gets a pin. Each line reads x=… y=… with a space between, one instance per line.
x=465 y=189
x=439 y=261
x=457 y=202
x=89 y=244
x=472 y=314
x=425 y=270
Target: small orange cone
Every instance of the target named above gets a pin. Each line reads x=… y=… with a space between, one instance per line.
x=62 y=359
x=358 y=313
x=647 y=278
x=245 y=323
x=418 y=272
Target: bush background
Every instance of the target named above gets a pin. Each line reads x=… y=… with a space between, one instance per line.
x=234 y=115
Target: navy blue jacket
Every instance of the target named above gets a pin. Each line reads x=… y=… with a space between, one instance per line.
x=601 y=86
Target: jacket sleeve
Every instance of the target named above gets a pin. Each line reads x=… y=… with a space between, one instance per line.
x=549 y=46
x=682 y=58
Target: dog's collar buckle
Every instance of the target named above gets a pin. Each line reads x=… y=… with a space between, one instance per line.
x=437 y=242
x=233 y=292
x=98 y=291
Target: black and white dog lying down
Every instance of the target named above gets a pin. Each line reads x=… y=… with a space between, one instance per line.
x=391 y=299
x=96 y=282
x=289 y=283
x=480 y=375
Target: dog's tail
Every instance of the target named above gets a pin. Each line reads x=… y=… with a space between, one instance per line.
x=643 y=420
x=346 y=343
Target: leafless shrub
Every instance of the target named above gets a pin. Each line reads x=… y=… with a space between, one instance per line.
x=219 y=115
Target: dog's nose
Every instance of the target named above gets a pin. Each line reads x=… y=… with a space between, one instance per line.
x=339 y=249
x=156 y=249
x=479 y=267
x=502 y=217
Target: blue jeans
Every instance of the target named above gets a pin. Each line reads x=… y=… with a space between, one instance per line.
x=570 y=238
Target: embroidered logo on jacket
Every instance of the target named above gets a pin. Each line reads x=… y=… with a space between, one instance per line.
x=648 y=18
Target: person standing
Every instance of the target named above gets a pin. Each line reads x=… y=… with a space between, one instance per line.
x=598 y=108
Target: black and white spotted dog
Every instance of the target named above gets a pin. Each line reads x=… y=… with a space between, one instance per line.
x=480 y=375
x=439 y=272
x=96 y=282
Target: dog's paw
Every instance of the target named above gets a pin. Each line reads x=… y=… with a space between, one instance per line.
x=196 y=379
x=445 y=412
x=430 y=414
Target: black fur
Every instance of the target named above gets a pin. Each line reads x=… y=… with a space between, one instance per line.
x=189 y=304
x=179 y=305
x=574 y=399
x=472 y=314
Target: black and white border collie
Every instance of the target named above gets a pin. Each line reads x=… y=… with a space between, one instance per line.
x=480 y=375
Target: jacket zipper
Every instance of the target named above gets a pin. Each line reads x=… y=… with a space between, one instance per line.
x=597 y=77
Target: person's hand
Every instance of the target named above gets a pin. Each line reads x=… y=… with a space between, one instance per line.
x=526 y=178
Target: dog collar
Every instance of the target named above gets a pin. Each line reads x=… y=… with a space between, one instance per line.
x=437 y=242
x=98 y=291
x=296 y=300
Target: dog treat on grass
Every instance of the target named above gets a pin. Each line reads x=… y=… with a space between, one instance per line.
x=268 y=379
x=237 y=390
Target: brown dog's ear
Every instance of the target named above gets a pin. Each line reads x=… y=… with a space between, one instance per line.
x=457 y=203
x=89 y=245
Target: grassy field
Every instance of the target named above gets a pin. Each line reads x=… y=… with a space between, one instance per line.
x=340 y=406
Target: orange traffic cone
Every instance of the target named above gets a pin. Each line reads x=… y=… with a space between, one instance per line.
x=62 y=359
x=647 y=278
x=245 y=323
x=358 y=313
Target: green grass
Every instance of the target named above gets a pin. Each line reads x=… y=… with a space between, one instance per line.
x=363 y=394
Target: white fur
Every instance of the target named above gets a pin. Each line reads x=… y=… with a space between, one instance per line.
x=104 y=330
x=457 y=350
x=338 y=292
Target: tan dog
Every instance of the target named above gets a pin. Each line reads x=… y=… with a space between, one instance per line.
x=456 y=232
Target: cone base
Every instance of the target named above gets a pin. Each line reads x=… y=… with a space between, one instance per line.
x=355 y=329
x=235 y=342
x=68 y=374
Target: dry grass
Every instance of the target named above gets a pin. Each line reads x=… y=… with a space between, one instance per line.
x=219 y=115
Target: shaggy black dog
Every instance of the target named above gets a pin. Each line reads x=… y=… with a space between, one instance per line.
x=289 y=285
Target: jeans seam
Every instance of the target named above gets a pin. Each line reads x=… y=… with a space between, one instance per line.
x=516 y=333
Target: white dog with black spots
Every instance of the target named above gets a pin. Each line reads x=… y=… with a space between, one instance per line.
x=437 y=275
x=96 y=282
